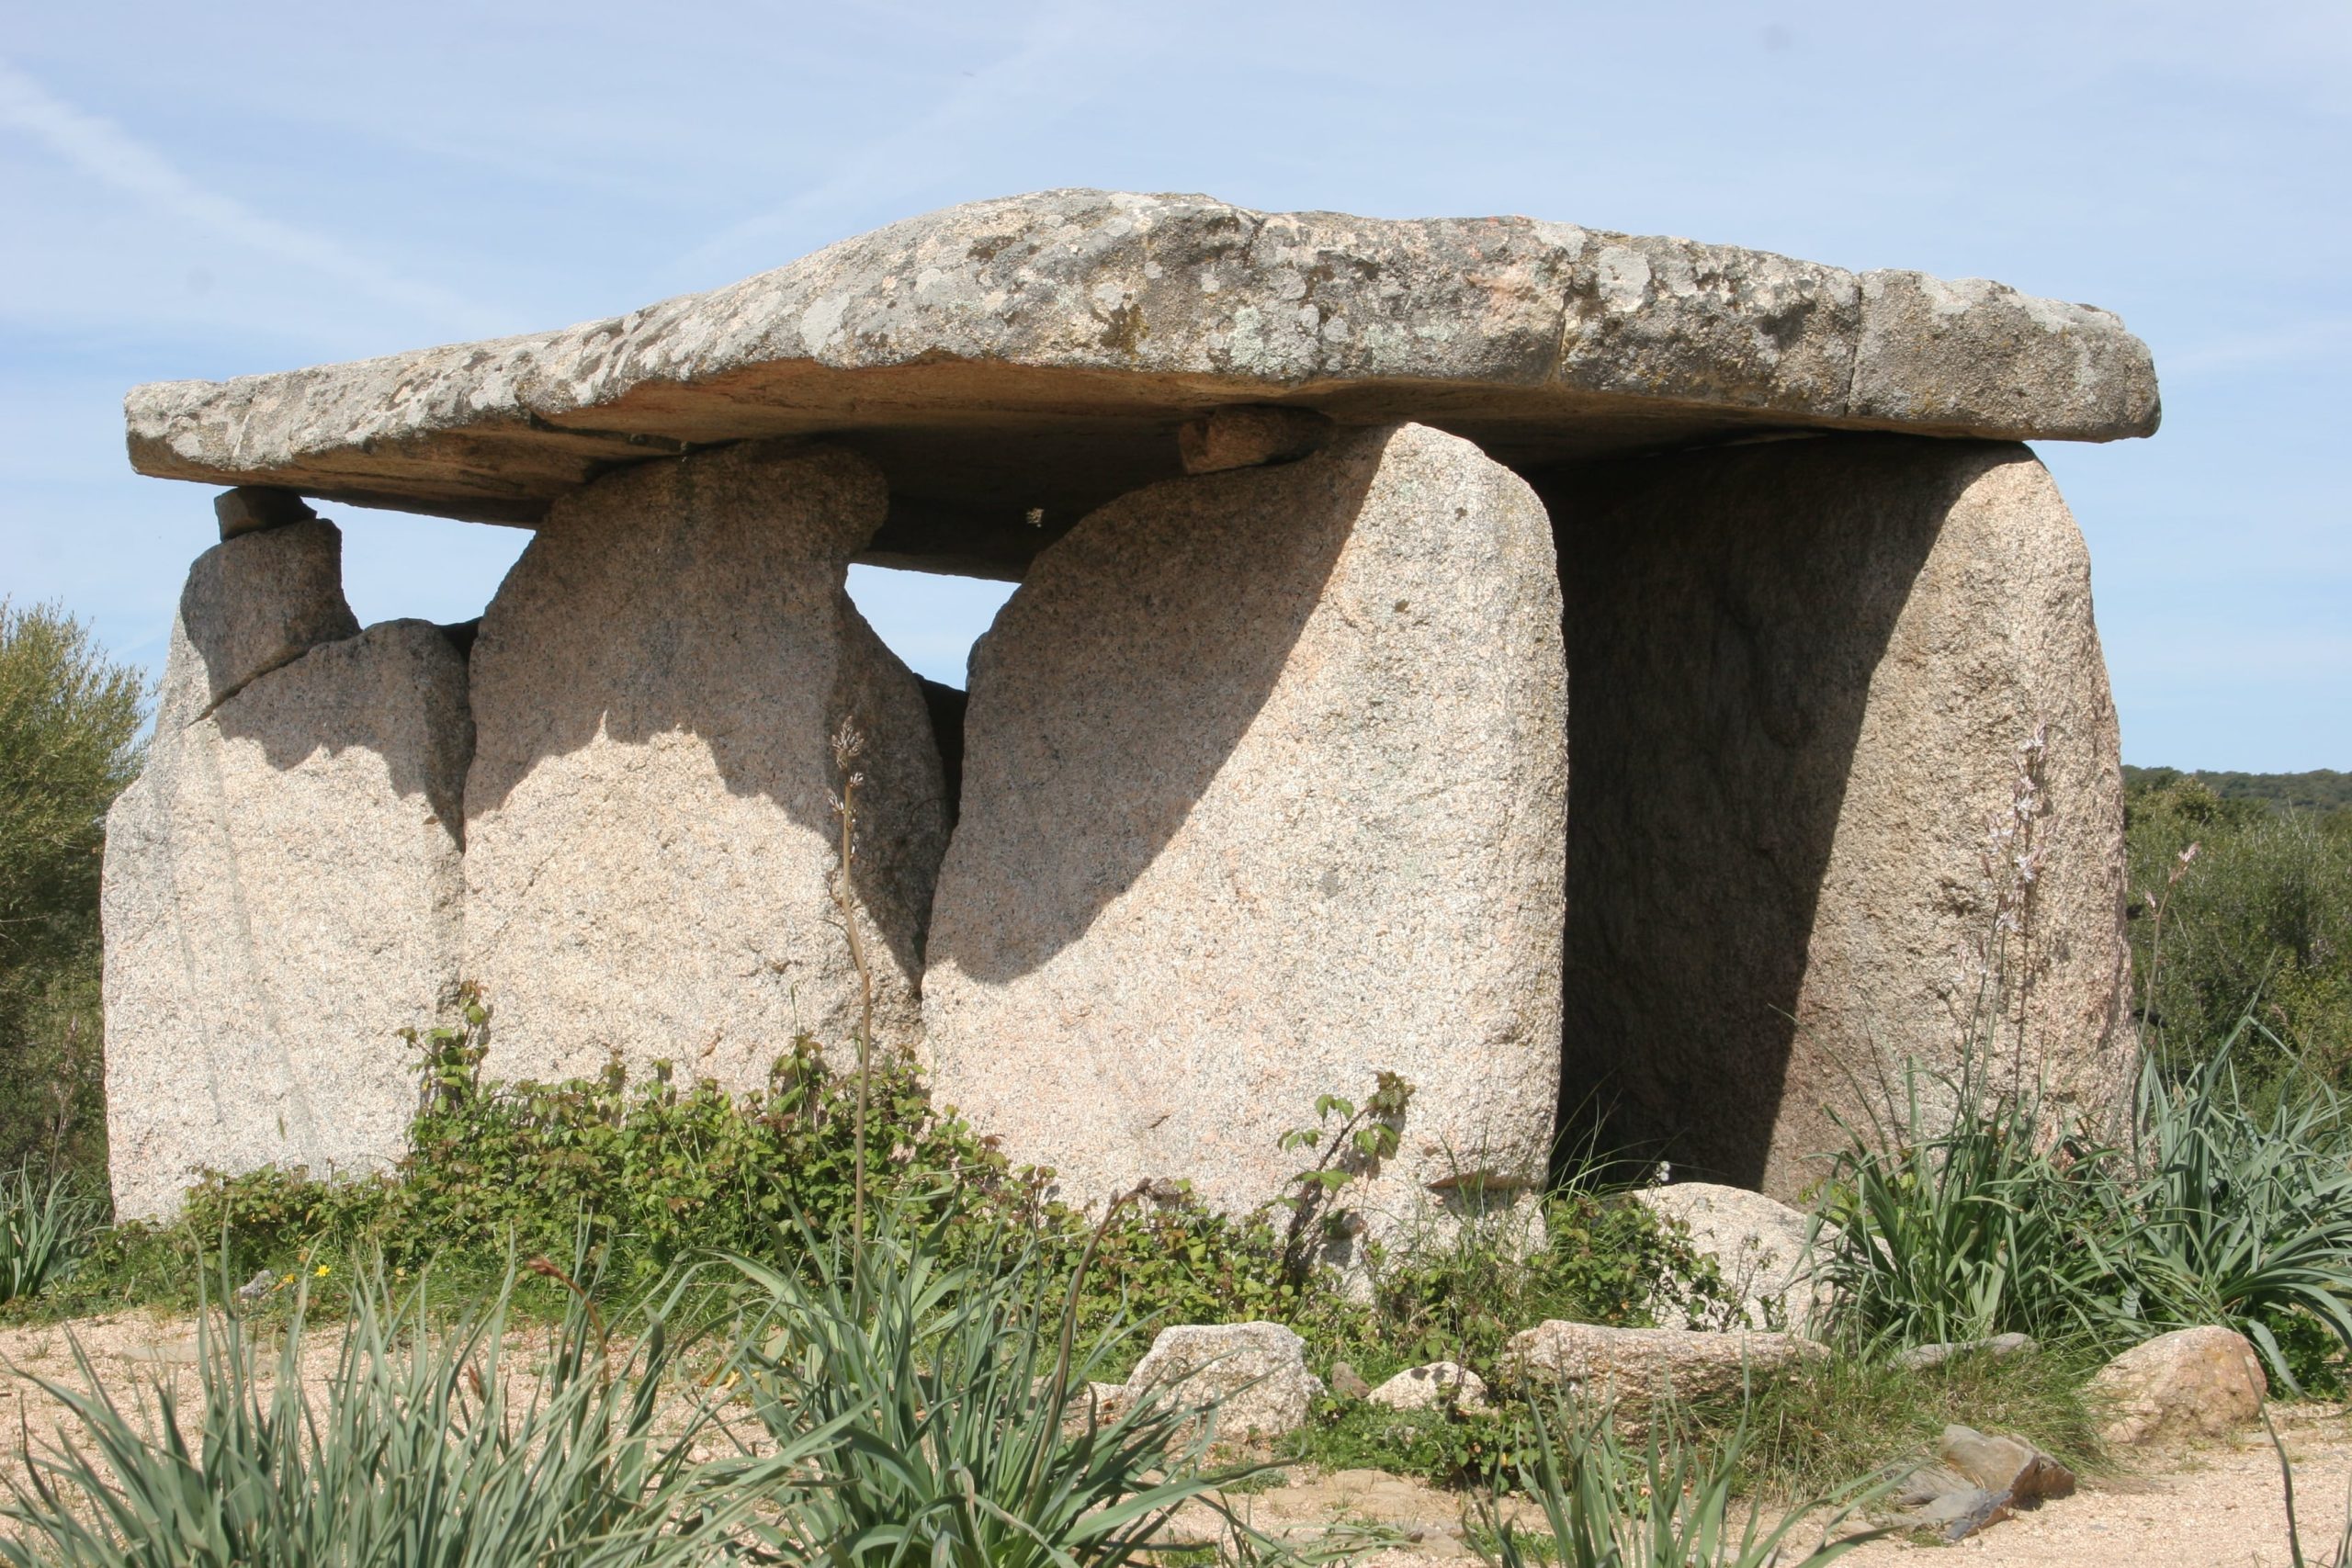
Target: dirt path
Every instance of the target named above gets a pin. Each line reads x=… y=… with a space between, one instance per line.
x=2217 y=1508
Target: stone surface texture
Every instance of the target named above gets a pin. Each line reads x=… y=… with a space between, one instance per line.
x=252 y=604
x=1082 y=325
x=2190 y=1384
x=282 y=893
x=1919 y=1358
x=1246 y=435
x=648 y=828
x=1759 y=1246
x=1647 y=1363
x=1254 y=1372
x=1264 y=792
x=1431 y=1386
x=1808 y=672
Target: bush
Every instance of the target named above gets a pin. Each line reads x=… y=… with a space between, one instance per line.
x=2221 y=1209
x=44 y=1229
x=2241 y=908
x=946 y=1407
x=425 y=1446
x=1668 y=1504
x=68 y=726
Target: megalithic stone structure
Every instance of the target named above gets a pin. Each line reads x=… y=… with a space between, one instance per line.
x=283 y=885
x=1235 y=816
x=1847 y=752
x=1274 y=762
x=650 y=828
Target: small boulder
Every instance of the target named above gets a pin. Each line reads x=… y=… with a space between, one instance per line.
x=1919 y=1358
x=1978 y=1481
x=2190 y=1383
x=1430 y=1387
x=1347 y=1382
x=1245 y=437
x=1680 y=1364
x=1759 y=1245
x=1255 y=1374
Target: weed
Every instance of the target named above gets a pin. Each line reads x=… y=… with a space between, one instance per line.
x=44 y=1230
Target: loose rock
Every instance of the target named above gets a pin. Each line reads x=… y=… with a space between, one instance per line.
x=2193 y=1382
x=1438 y=1384
x=1760 y=1247
x=1919 y=1358
x=1646 y=1363
x=1254 y=1372
x=1244 y=436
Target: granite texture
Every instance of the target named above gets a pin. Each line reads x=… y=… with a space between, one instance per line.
x=649 y=837
x=281 y=896
x=1037 y=352
x=1811 y=676
x=1263 y=793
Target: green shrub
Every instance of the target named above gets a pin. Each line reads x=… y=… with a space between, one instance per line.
x=1670 y=1503
x=45 y=1227
x=945 y=1403
x=2241 y=908
x=68 y=743
x=429 y=1446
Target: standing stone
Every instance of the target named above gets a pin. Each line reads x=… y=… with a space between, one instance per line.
x=1809 y=673
x=1263 y=793
x=649 y=828
x=282 y=882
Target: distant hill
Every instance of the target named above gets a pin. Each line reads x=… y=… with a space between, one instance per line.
x=2321 y=790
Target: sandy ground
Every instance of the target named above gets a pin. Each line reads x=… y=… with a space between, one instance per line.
x=2216 y=1507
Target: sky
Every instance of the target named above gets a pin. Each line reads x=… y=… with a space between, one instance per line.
x=209 y=191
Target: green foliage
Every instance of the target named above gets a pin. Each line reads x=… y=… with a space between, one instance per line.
x=658 y=1174
x=964 y=1434
x=1668 y=1504
x=2322 y=789
x=1977 y=1218
x=45 y=1225
x=2222 y=1210
x=427 y=1446
x=2237 y=907
x=68 y=743
x=1850 y=1414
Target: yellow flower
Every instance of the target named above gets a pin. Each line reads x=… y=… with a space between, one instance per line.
x=322 y=1271
x=287 y=1280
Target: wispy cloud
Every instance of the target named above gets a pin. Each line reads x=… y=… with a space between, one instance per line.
x=104 y=152
x=1036 y=77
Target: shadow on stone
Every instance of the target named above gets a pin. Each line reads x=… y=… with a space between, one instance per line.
x=1725 y=614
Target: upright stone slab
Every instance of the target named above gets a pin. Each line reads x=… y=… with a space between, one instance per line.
x=1263 y=788
x=1805 y=671
x=281 y=889
x=649 y=837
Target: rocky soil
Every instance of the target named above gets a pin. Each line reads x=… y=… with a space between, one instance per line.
x=2216 y=1505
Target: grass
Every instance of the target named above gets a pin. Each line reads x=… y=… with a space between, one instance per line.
x=431 y=1443
x=1674 y=1502
x=45 y=1227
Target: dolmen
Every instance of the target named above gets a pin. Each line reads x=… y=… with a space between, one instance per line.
x=1577 y=674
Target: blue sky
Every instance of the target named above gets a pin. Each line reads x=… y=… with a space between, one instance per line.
x=205 y=191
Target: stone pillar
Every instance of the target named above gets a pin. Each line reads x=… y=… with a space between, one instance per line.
x=281 y=889
x=649 y=837
x=1263 y=787
x=1805 y=671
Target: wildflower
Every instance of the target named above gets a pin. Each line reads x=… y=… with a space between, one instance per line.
x=321 y=1271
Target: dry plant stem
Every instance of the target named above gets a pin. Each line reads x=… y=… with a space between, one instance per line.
x=847 y=744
